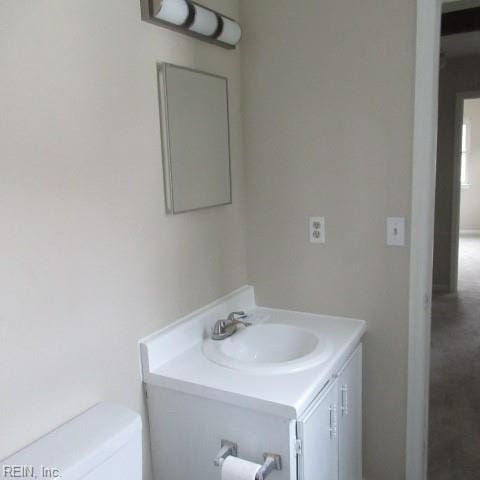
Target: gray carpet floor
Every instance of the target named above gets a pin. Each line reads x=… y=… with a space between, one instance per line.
x=454 y=421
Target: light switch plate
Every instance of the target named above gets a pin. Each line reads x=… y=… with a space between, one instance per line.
x=396 y=231
x=316 y=229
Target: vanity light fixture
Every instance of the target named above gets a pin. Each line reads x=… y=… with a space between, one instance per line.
x=193 y=19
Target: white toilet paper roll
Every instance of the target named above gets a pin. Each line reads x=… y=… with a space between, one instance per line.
x=234 y=468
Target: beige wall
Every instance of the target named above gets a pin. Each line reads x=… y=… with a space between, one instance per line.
x=470 y=197
x=89 y=261
x=328 y=90
x=458 y=75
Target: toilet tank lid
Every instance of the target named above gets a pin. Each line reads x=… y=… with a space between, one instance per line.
x=82 y=443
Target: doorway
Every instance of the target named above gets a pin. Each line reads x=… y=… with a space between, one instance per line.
x=469 y=209
x=454 y=413
x=454 y=433
x=429 y=18
x=457 y=199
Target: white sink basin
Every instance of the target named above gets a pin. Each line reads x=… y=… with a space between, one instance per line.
x=268 y=348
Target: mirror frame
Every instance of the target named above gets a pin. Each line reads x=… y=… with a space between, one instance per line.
x=165 y=138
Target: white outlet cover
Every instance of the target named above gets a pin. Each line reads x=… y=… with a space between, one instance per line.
x=396 y=231
x=316 y=229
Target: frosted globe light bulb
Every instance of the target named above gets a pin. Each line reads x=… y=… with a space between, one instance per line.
x=205 y=21
x=173 y=11
x=231 y=32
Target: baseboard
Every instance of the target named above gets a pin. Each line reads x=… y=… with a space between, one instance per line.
x=439 y=288
x=470 y=233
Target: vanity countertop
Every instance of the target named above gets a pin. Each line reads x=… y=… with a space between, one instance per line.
x=173 y=358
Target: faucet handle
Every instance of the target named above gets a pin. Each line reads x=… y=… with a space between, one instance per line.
x=219 y=327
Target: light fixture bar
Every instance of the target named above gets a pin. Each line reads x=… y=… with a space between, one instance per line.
x=192 y=19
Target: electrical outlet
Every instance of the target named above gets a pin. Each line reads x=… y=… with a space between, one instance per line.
x=317 y=229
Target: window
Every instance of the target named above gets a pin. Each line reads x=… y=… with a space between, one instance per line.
x=465 y=152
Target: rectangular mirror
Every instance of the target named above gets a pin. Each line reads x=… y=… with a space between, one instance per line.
x=195 y=137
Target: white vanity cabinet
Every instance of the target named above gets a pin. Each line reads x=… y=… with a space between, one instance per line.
x=299 y=398
x=330 y=431
x=324 y=443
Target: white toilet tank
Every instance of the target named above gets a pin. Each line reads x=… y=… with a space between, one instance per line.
x=103 y=443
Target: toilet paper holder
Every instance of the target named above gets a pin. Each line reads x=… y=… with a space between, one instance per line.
x=271 y=461
x=227 y=449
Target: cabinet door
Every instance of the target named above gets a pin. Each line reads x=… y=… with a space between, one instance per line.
x=317 y=430
x=350 y=418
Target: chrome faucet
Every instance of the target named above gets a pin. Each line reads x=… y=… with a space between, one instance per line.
x=226 y=328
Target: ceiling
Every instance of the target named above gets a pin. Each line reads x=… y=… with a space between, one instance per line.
x=461 y=44
x=462 y=5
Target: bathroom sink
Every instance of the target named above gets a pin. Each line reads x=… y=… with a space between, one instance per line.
x=268 y=348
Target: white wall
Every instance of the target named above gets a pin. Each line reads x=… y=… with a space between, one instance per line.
x=89 y=261
x=458 y=75
x=329 y=90
x=470 y=197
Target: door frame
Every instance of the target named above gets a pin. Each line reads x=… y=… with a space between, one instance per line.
x=421 y=236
